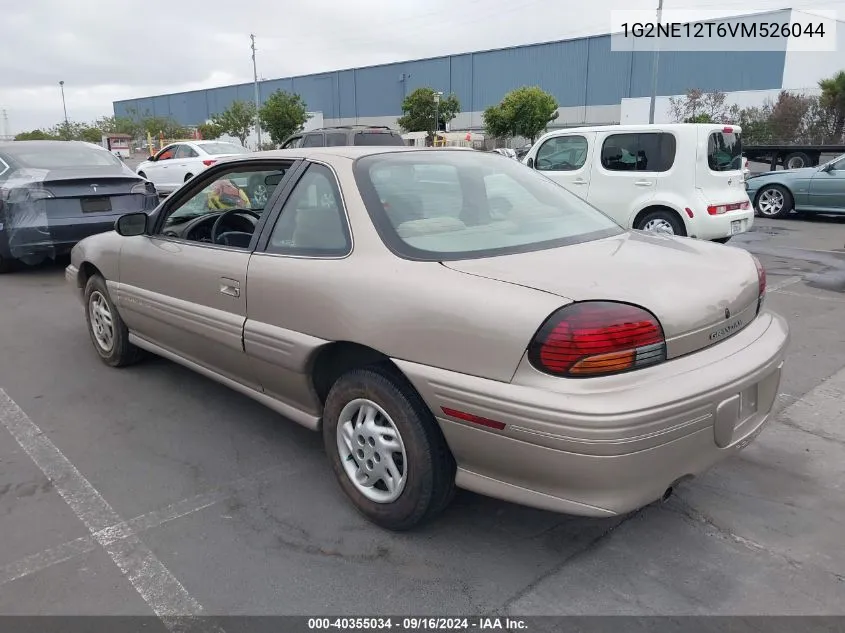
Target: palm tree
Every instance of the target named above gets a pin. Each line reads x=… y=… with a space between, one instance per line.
x=833 y=97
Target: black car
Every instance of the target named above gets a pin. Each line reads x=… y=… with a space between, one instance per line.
x=345 y=135
x=55 y=193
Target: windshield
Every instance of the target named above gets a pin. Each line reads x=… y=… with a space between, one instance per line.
x=60 y=154
x=222 y=148
x=724 y=151
x=457 y=204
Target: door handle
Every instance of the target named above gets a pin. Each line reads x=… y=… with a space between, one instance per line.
x=644 y=183
x=230 y=287
x=579 y=181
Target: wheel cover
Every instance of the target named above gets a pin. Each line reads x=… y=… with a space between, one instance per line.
x=796 y=162
x=372 y=451
x=259 y=194
x=659 y=225
x=102 y=323
x=770 y=202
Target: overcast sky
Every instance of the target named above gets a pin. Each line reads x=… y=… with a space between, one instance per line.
x=107 y=50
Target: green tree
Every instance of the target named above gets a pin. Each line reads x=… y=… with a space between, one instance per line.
x=210 y=131
x=237 y=120
x=120 y=125
x=420 y=110
x=525 y=112
x=283 y=114
x=833 y=98
x=91 y=134
x=35 y=135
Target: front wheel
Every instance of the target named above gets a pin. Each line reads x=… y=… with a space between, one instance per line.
x=386 y=449
x=109 y=333
x=774 y=201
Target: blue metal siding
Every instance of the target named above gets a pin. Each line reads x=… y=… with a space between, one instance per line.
x=560 y=68
x=608 y=73
x=347 y=107
x=678 y=71
x=461 y=80
x=577 y=72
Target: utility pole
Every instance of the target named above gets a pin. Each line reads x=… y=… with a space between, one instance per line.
x=64 y=106
x=654 y=64
x=5 y=134
x=255 y=80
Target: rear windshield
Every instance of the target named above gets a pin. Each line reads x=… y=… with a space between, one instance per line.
x=377 y=138
x=444 y=205
x=58 y=155
x=724 y=151
x=223 y=148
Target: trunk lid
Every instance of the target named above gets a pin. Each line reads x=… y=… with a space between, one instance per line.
x=700 y=292
x=719 y=164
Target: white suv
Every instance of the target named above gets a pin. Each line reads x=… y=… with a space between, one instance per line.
x=681 y=178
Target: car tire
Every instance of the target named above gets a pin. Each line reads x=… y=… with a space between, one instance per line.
x=143 y=175
x=188 y=177
x=773 y=201
x=661 y=221
x=111 y=344
x=722 y=240
x=427 y=473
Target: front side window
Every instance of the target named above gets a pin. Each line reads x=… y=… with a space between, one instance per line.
x=453 y=204
x=562 y=153
x=312 y=222
x=244 y=191
x=167 y=153
x=312 y=140
x=724 y=151
x=185 y=151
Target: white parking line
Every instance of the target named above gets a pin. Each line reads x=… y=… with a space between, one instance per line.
x=152 y=580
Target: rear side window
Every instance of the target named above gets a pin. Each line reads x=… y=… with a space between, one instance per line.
x=724 y=151
x=378 y=138
x=312 y=140
x=562 y=153
x=649 y=151
x=335 y=139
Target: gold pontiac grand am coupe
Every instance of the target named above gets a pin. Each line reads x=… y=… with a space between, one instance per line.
x=446 y=317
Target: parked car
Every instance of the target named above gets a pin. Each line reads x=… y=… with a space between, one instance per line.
x=344 y=135
x=682 y=179
x=177 y=163
x=447 y=318
x=807 y=190
x=55 y=193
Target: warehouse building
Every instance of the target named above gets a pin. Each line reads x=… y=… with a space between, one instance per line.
x=592 y=83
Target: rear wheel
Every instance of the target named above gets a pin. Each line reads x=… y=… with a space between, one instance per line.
x=660 y=221
x=109 y=333
x=797 y=160
x=188 y=177
x=386 y=449
x=774 y=201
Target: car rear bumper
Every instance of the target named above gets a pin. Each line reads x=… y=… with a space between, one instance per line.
x=712 y=227
x=54 y=238
x=602 y=447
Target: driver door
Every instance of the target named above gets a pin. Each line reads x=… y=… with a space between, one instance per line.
x=185 y=293
x=158 y=170
x=567 y=159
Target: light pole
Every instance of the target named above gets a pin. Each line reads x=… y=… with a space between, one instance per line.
x=64 y=106
x=654 y=65
x=255 y=80
x=437 y=96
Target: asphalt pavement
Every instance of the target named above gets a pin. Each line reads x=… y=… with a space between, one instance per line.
x=154 y=490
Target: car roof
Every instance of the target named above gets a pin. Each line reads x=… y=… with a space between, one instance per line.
x=641 y=127
x=350 y=152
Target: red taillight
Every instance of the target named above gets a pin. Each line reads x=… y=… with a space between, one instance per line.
x=719 y=209
x=727 y=130
x=208 y=163
x=597 y=338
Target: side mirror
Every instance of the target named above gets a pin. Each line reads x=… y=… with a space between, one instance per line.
x=530 y=163
x=152 y=158
x=828 y=167
x=131 y=224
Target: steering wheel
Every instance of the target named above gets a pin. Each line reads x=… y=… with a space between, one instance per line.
x=219 y=221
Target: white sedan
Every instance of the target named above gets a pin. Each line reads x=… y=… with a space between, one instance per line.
x=177 y=163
